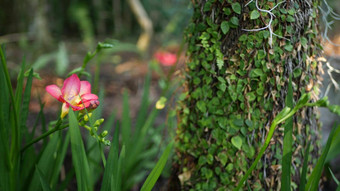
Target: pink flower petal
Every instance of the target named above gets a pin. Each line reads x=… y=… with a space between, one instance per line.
x=54 y=91
x=71 y=87
x=64 y=110
x=88 y=97
x=166 y=58
x=85 y=88
x=78 y=107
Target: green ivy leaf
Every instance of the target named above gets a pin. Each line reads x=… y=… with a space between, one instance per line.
x=289 y=47
x=256 y=73
x=304 y=41
x=201 y=106
x=237 y=141
x=251 y=96
x=243 y=38
x=290 y=19
x=226 y=11
x=234 y=21
x=223 y=158
x=225 y=27
x=236 y=7
x=261 y=54
x=254 y=15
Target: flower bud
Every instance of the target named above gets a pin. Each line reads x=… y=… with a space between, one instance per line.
x=107 y=143
x=87 y=116
x=104 y=133
x=98 y=122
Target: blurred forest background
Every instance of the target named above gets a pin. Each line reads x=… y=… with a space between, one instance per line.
x=53 y=36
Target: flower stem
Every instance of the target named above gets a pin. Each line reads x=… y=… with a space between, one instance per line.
x=56 y=128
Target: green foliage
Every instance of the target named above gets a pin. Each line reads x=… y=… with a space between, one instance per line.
x=314 y=178
x=236 y=83
x=254 y=14
x=303 y=176
x=25 y=168
x=78 y=155
x=157 y=170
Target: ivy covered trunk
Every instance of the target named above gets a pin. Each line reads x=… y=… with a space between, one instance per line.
x=240 y=56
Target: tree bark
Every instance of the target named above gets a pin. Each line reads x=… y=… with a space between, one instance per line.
x=237 y=82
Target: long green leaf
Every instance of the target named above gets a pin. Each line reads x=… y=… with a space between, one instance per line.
x=334 y=151
x=46 y=161
x=112 y=163
x=25 y=105
x=43 y=181
x=287 y=142
x=143 y=109
x=20 y=85
x=126 y=122
x=334 y=178
x=62 y=150
x=79 y=158
x=117 y=186
x=313 y=181
x=4 y=126
x=15 y=131
x=303 y=176
x=156 y=172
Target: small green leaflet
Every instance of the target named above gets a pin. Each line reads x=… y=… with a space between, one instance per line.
x=254 y=15
x=225 y=27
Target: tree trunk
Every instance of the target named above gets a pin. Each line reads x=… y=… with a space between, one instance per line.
x=237 y=80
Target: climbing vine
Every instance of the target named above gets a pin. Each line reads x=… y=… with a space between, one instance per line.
x=239 y=61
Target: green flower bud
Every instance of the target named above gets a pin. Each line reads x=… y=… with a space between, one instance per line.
x=98 y=122
x=87 y=116
x=104 y=133
x=107 y=143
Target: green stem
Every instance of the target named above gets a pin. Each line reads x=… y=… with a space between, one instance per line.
x=56 y=128
x=102 y=154
x=275 y=122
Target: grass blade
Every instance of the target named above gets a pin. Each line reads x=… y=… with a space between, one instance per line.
x=4 y=141
x=15 y=131
x=43 y=180
x=334 y=178
x=63 y=145
x=112 y=163
x=142 y=113
x=46 y=160
x=20 y=85
x=335 y=147
x=303 y=176
x=25 y=104
x=287 y=142
x=157 y=170
x=78 y=155
x=119 y=174
x=313 y=181
x=126 y=121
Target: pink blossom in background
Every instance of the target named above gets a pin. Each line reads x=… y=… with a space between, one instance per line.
x=75 y=94
x=166 y=58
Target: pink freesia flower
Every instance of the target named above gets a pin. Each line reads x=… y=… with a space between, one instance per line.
x=166 y=58
x=75 y=94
